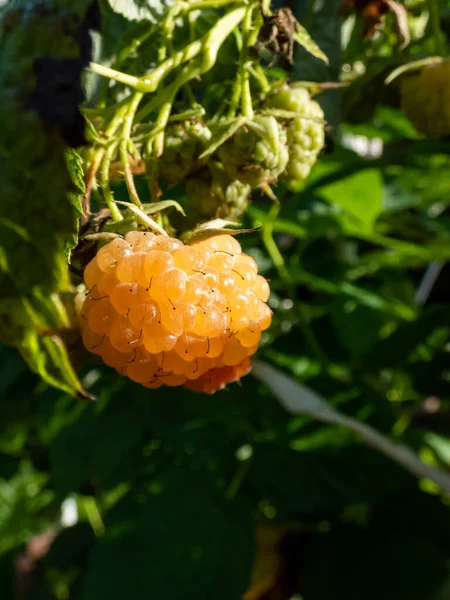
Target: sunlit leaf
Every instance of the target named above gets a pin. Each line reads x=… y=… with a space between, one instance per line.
x=302 y=37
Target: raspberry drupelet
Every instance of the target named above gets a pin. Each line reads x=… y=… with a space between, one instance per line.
x=164 y=313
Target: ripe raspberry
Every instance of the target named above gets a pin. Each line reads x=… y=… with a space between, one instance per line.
x=426 y=99
x=183 y=144
x=214 y=195
x=216 y=379
x=306 y=136
x=163 y=313
x=256 y=158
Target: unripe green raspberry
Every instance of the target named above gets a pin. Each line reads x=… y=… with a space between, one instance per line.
x=214 y=195
x=425 y=97
x=306 y=136
x=256 y=155
x=183 y=144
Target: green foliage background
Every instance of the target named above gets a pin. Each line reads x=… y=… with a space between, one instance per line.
x=170 y=485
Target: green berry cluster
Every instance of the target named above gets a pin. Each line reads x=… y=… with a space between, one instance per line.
x=305 y=133
x=256 y=155
x=212 y=193
x=183 y=144
x=281 y=142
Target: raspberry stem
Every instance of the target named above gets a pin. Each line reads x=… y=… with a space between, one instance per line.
x=124 y=145
x=188 y=6
x=241 y=89
x=104 y=181
x=257 y=72
x=161 y=122
x=208 y=47
x=96 y=161
x=109 y=73
x=278 y=261
x=246 y=96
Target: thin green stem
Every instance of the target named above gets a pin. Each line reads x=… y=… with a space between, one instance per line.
x=169 y=26
x=278 y=261
x=150 y=129
x=162 y=121
x=233 y=104
x=103 y=111
x=235 y=97
x=129 y=117
x=257 y=72
x=134 y=45
x=271 y=247
x=214 y=39
x=123 y=54
x=124 y=146
x=241 y=94
x=149 y=82
x=188 y=6
x=255 y=27
x=130 y=80
x=154 y=78
x=192 y=17
x=166 y=108
x=208 y=47
x=188 y=72
x=93 y=514
x=246 y=96
x=310 y=337
x=238 y=478
x=104 y=182
x=98 y=155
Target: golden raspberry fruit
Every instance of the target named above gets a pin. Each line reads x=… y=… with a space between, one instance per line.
x=425 y=97
x=164 y=313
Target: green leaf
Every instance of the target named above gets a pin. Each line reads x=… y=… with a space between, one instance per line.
x=395 y=350
x=302 y=37
x=37 y=215
x=360 y=196
x=280 y=226
x=364 y=297
x=22 y=499
x=28 y=326
x=41 y=194
x=440 y=445
x=413 y=66
x=387 y=124
x=298 y=399
x=214 y=228
x=301 y=484
x=156 y=207
x=221 y=134
x=75 y=168
x=179 y=537
x=141 y=10
x=358 y=326
x=143 y=218
x=97 y=447
x=325 y=30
